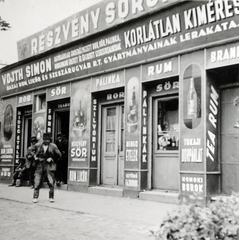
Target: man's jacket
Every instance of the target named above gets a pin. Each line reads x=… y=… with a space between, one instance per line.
x=52 y=152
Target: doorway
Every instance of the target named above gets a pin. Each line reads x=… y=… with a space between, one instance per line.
x=112 y=147
x=229 y=140
x=165 y=132
x=27 y=132
x=61 y=125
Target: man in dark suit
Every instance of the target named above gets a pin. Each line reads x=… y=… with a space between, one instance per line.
x=47 y=155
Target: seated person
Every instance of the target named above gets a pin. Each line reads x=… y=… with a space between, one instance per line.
x=19 y=172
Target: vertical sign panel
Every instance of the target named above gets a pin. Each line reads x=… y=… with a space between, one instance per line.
x=7 y=143
x=79 y=132
x=192 y=129
x=132 y=128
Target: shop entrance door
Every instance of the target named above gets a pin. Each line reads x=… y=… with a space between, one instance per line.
x=62 y=126
x=230 y=140
x=165 y=144
x=112 y=168
x=62 y=122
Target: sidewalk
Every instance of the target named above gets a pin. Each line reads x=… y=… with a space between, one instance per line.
x=147 y=212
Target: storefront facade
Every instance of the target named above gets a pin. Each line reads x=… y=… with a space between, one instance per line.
x=149 y=105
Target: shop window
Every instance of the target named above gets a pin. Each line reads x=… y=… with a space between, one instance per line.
x=40 y=102
x=167 y=124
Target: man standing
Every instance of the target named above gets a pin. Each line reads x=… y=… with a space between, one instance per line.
x=46 y=157
x=30 y=161
x=61 y=170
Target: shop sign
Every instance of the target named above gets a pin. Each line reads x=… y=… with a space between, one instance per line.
x=7 y=153
x=63 y=105
x=192 y=184
x=115 y=96
x=132 y=151
x=212 y=128
x=94 y=132
x=5 y=172
x=132 y=119
x=108 y=81
x=194 y=25
x=59 y=91
x=49 y=119
x=25 y=99
x=18 y=136
x=79 y=151
x=132 y=179
x=160 y=69
x=95 y=19
x=144 y=139
x=192 y=150
x=80 y=176
x=222 y=56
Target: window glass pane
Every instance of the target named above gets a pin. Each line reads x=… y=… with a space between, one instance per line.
x=110 y=129
x=167 y=124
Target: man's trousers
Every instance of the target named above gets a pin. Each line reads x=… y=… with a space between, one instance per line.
x=43 y=170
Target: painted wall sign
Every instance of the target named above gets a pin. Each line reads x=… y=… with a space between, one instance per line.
x=192 y=184
x=94 y=131
x=192 y=150
x=79 y=151
x=6 y=153
x=132 y=119
x=80 y=176
x=194 y=24
x=5 y=172
x=8 y=133
x=144 y=132
x=160 y=69
x=8 y=122
x=115 y=96
x=58 y=92
x=192 y=110
x=131 y=180
x=49 y=119
x=25 y=99
x=108 y=81
x=18 y=136
x=212 y=114
x=95 y=19
x=222 y=56
x=79 y=135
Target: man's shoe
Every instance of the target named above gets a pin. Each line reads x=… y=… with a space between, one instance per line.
x=51 y=200
x=58 y=183
x=34 y=200
x=11 y=185
x=18 y=185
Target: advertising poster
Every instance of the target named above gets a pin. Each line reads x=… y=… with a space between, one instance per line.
x=191 y=107
x=7 y=143
x=132 y=125
x=79 y=132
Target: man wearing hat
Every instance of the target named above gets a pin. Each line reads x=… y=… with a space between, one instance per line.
x=19 y=172
x=30 y=161
x=46 y=157
x=61 y=170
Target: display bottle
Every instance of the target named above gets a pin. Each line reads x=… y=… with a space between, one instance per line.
x=81 y=116
x=133 y=107
x=192 y=101
x=173 y=141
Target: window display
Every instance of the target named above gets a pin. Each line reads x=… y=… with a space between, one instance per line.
x=167 y=124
